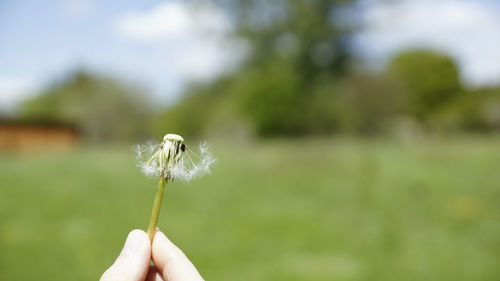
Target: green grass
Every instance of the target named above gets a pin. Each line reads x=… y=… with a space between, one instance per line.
x=278 y=210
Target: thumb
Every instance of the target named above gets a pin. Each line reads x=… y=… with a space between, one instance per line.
x=133 y=262
x=171 y=262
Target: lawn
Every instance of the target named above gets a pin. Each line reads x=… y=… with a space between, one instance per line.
x=313 y=209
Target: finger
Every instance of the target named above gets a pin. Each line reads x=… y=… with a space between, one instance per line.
x=171 y=261
x=133 y=262
x=153 y=274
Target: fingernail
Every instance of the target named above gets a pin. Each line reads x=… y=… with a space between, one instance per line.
x=132 y=244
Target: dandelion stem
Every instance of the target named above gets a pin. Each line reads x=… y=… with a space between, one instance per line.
x=155 y=214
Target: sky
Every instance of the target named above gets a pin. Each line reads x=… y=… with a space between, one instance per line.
x=467 y=30
x=162 y=45
x=159 y=45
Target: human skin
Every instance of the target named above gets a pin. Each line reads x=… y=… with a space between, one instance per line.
x=133 y=263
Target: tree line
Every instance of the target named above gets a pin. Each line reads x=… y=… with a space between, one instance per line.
x=300 y=78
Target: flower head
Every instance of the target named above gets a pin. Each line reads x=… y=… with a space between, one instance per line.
x=172 y=159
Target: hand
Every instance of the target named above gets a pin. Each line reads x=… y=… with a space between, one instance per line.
x=170 y=263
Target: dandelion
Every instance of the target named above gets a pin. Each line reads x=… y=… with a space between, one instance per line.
x=170 y=160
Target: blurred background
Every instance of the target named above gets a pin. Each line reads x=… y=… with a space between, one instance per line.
x=357 y=140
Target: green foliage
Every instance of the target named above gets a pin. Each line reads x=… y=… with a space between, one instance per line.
x=187 y=119
x=287 y=84
x=369 y=103
x=432 y=79
x=307 y=33
x=273 y=102
x=324 y=209
x=193 y=114
x=299 y=80
x=476 y=111
x=297 y=57
x=102 y=108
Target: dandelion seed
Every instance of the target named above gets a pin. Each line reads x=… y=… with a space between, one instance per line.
x=170 y=160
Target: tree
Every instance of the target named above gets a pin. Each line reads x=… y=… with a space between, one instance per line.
x=431 y=79
x=102 y=108
x=286 y=86
x=477 y=110
x=370 y=103
x=299 y=54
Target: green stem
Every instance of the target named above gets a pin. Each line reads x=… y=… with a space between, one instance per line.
x=155 y=214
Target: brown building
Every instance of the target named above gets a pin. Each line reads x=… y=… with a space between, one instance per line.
x=33 y=135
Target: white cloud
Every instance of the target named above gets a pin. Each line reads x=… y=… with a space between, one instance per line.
x=78 y=8
x=467 y=30
x=14 y=90
x=194 y=39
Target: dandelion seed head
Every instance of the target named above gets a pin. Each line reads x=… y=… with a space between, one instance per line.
x=171 y=159
x=173 y=137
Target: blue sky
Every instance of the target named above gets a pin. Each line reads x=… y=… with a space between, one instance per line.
x=467 y=30
x=161 y=45
x=42 y=40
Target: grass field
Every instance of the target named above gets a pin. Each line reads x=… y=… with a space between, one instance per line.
x=321 y=209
